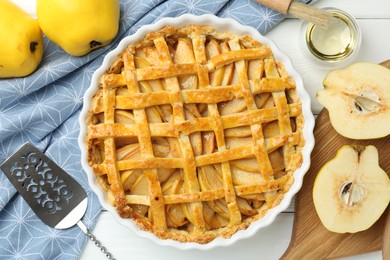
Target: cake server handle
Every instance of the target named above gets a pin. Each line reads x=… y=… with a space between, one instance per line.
x=93 y=239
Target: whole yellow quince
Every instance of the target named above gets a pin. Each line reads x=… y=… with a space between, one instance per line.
x=21 y=44
x=79 y=26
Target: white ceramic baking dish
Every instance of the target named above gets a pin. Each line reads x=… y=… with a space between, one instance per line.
x=221 y=24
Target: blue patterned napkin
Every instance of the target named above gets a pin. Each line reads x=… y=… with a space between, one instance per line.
x=43 y=109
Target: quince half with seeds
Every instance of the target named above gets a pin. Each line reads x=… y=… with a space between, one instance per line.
x=351 y=191
x=358 y=100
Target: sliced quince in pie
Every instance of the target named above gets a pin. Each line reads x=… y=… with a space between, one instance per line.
x=195 y=133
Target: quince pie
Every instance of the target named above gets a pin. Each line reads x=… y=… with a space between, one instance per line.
x=194 y=133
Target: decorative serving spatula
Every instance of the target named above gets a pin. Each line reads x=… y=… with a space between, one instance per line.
x=55 y=197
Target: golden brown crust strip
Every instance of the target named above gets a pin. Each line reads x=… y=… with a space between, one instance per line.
x=259 y=146
x=256 y=116
x=208 y=95
x=167 y=71
x=150 y=163
x=240 y=152
x=110 y=149
x=209 y=195
x=190 y=180
x=146 y=149
x=271 y=185
x=188 y=127
x=280 y=100
x=237 y=55
x=230 y=196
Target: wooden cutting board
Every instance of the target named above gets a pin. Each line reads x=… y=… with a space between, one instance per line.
x=310 y=239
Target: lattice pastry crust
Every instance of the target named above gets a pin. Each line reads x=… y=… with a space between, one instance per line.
x=195 y=133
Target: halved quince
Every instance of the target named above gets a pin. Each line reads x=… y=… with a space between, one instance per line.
x=351 y=191
x=358 y=100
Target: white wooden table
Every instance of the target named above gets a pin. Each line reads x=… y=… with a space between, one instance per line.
x=270 y=243
x=374 y=19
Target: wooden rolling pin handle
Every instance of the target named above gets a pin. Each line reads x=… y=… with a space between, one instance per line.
x=281 y=6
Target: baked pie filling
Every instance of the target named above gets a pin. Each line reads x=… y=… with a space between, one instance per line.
x=194 y=133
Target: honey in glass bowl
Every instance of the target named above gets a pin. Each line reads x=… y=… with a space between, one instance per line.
x=334 y=46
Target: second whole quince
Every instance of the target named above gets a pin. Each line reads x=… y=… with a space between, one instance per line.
x=79 y=26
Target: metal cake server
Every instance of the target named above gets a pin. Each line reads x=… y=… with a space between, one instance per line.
x=55 y=197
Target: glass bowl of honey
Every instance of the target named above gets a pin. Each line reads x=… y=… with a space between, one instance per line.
x=333 y=46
